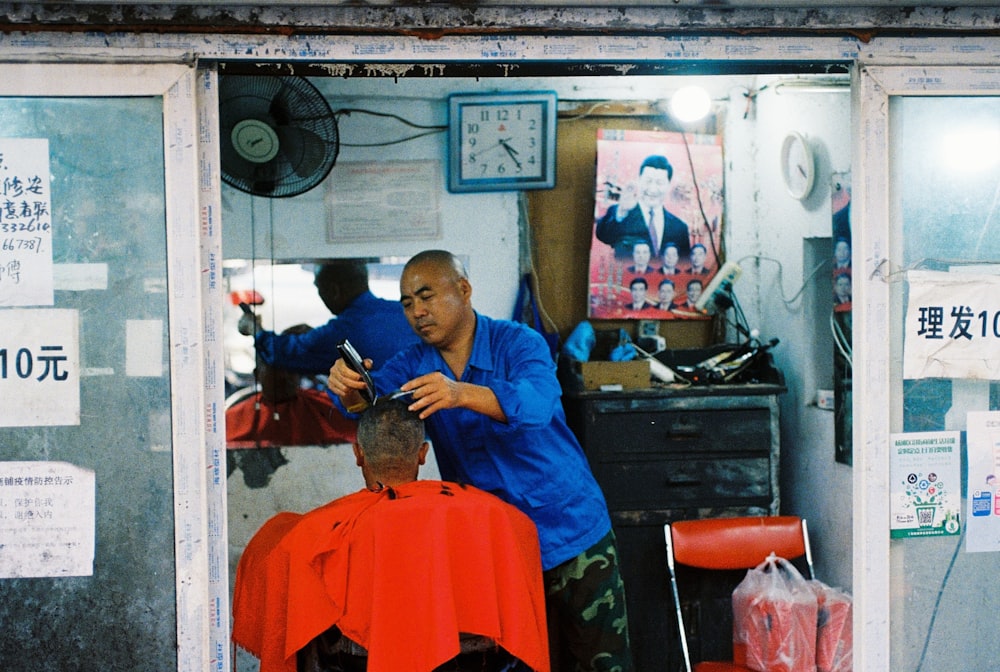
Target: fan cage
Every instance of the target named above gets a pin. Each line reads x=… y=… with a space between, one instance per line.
x=300 y=117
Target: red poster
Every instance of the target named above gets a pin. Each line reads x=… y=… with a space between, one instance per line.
x=657 y=223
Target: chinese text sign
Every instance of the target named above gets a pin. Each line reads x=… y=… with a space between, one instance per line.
x=39 y=367
x=952 y=326
x=47 y=514
x=925 y=472
x=25 y=223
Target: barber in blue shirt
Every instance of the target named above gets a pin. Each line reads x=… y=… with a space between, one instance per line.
x=488 y=392
x=376 y=327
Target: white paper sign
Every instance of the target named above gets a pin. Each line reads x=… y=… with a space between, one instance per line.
x=925 y=473
x=47 y=513
x=952 y=326
x=25 y=223
x=39 y=367
x=983 y=439
x=384 y=201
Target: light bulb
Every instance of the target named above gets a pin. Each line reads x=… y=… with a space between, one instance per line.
x=690 y=103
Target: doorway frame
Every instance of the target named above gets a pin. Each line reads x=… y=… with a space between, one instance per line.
x=191 y=201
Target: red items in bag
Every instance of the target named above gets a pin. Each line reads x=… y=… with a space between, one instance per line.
x=775 y=614
x=835 y=637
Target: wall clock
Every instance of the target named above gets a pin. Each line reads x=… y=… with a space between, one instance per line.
x=798 y=166
x=501 y=141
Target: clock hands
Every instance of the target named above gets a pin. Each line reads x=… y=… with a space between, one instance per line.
x=501 y=142
x=511 y=151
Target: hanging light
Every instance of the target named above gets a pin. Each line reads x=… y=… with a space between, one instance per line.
x=690 y=103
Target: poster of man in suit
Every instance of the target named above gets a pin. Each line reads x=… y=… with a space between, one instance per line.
x=657 y=189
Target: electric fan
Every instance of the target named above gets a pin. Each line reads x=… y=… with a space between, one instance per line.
x=278 y=134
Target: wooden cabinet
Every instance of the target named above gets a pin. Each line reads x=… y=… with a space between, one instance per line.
x=666 y=455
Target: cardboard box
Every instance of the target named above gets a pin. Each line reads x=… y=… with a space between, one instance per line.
x=632 y=375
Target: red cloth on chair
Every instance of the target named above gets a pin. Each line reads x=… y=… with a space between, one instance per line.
x=308 y=420
x=401 y=572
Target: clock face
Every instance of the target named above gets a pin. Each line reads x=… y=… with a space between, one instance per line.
x=502 y=142
x=798 y=168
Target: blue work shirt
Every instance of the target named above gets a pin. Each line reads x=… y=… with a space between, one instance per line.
x=377 y=328
x=532 y=461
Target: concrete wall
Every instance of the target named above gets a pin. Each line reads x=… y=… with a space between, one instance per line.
x=779 y=246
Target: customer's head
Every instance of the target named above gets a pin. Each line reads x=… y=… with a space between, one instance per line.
x=339 y=282
x=390 y=444
x=437 y=298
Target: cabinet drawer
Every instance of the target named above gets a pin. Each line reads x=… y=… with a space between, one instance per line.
x=617 y=436
x=658 y=484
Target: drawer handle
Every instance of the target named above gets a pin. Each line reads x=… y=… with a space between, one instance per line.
x=682 y=483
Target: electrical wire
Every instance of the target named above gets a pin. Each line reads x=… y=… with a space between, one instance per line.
x=348 y=111
x=841 y=341
x=588 y=112
x=781 y=283
x=428 y=129
x=389 y=142
x=937 y=602
x=697 y=195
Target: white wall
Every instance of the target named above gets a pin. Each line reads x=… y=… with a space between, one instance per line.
x=483 y=228
x=779 y=241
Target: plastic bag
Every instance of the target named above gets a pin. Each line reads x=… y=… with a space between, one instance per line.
x=775 y=614
x=834 y=634
x=580 y=342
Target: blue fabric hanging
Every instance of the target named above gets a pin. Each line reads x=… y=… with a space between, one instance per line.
x=526 y=311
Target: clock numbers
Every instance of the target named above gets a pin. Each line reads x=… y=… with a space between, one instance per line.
x=502 y=141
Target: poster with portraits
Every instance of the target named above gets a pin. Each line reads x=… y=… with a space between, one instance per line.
x=840 y=201
x=657 y=223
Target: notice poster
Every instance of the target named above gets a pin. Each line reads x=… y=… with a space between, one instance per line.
x=47 y=514
x=25 y=223
x=384 y=201
x=925 y=478
x=983 y=439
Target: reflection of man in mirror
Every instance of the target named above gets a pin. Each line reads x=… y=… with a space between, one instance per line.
x=376 y=327
x=283 y=412
x=640 y=214
x=671 y=257
x=640 y=259
x=698 y=254
x=665 y=294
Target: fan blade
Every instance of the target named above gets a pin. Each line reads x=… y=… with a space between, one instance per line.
x=303 y=149
x=265 y=178
x=246 y=97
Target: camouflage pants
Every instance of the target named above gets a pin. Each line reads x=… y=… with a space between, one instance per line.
x=588 y=622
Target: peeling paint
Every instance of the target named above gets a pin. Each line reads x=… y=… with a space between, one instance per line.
x=432 y=23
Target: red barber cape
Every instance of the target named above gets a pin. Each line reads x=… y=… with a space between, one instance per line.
x=308 y=420
x=401 y=572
